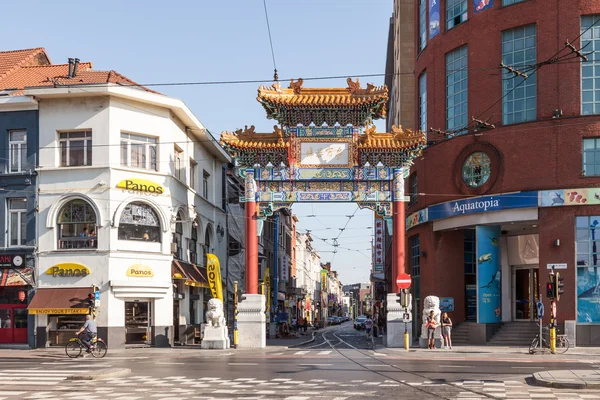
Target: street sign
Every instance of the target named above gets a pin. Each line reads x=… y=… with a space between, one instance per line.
x=96 y=303
x=406 y=317
x=403 y=281
x=540 y=309
x=97 y=295
x=556 y=266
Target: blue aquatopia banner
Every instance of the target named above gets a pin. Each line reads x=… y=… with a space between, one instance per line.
x=481 y=5
x=489 y=275
x=434 y=18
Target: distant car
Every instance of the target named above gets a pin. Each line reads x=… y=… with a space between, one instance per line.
x=332 y=321
x=339 y=320
x=346 y=318
x=359 y=323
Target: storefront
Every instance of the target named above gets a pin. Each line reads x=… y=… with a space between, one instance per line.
x=190 y=298
x=16 y=284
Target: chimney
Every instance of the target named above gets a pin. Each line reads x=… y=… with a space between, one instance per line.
x=70 y=67
x=75 y=67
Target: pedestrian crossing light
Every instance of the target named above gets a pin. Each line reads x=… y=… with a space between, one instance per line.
x=559 y=289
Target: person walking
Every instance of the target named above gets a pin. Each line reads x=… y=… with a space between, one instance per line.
x=446 y=328
x=431 y=326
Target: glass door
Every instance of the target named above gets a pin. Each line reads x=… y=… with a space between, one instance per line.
x=525 y=293
x=13 y=324
x=137 y=322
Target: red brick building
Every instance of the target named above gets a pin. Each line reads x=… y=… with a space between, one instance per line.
x=491 y=208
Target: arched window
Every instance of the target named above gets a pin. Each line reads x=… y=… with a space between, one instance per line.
x=178 y=237
x=77 y=226
x=139 y=222
x=193 y=244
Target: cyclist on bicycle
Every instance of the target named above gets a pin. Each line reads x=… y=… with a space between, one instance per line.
x=90 y=331
x=368 y=325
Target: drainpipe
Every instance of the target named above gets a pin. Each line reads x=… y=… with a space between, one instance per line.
x=36 y=257
x=275 y=263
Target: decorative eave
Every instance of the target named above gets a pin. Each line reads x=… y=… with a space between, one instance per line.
x=398 y=139
x=248 y=139
x=297 y=105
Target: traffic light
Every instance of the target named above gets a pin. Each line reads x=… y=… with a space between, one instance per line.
x=90 y=299
x=403 y=298
x=559 y=289
x=551 y=288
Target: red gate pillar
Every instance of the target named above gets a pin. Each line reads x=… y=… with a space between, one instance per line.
x=399 y=228
x=251 y=237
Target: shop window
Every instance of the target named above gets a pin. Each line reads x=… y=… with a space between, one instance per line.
x=518 y=93
x=588 y=269
x=77 y=226
x=590 y=69
x=75 y=148
x=17 y=144
x=139 y=222
x=457 y=90
x=137 y=322
x=456 y=13
x=138 y=151
x=178 y=237
x=476 y=169
x=17 y=222
x=591 y=157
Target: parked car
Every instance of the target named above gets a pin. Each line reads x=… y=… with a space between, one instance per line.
x=359 y=323
x=339 y=320
x=346 y=318
x=332 y=321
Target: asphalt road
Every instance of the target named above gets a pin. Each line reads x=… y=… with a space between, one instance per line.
x=336 y=366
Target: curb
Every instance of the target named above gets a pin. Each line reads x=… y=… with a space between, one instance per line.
x=564 y=385
x=101 y=374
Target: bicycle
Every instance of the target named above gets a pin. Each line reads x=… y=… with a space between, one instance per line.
x=562 y=343
x=75 y=347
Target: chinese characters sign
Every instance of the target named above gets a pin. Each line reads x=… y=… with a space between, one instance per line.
x=284 y=268
x=379 y=247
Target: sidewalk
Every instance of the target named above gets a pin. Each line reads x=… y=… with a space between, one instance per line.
x=568 y=379
x=508 y=350
x=307 y=337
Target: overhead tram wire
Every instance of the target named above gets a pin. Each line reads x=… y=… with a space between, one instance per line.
x=275 y=76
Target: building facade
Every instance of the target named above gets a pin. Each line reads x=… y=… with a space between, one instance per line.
x=487 y=221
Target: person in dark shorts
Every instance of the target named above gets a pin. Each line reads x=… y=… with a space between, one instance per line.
x=446 y=328
x=431 y=326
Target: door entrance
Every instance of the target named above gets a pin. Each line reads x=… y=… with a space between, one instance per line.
x=525 y=292
x=137 y=322
x=13 y=324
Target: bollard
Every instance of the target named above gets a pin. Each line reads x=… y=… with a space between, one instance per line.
x=406 y=338
x=553 y=340
x=235 y=312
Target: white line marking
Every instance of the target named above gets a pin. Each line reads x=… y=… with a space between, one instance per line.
x=242 y=363
x=455 y=366
x=315 y=365
x=300 y=353
x=324 y=352
x=527 y=367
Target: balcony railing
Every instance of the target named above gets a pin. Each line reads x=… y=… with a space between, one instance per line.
x=90 y=242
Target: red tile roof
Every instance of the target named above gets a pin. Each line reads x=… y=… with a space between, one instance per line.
x=24 y=73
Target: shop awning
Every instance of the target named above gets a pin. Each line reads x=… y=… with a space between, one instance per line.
x=193 y=274
x=60 y=301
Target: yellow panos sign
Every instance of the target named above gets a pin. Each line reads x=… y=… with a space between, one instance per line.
x=141 y=185
x=60 y=311
x=68 y=270
x=140 y=270
x=213 y=269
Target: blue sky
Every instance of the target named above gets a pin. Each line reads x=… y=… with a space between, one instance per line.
x=223 y=40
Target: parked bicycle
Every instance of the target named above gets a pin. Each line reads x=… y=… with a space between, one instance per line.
x=75 y=347
x=562 y=342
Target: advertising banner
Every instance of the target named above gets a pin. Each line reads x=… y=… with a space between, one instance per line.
x=416 y=218
x=569 y=197
x=434 y=18
x=323 y=280
x=483 y=204
x=489 y=276
x=284 y=269
x=213 y=269
x=482 y=5
x=379 y=247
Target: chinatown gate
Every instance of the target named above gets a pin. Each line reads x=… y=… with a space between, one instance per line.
x=325 y=149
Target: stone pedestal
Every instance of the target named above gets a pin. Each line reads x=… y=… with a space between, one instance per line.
x=215 y=337
x=395 y=323
x=251 y=321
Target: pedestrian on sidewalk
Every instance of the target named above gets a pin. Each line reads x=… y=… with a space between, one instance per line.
x=446 y=329
x=431 y=326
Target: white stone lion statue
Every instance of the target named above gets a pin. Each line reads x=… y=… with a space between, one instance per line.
x=214 y=315
x=431 y=303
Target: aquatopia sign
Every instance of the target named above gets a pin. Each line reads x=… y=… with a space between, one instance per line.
x=141 y=185
x=483 y=204
x=68 y=270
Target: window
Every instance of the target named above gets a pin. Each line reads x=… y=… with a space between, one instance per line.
x=206 y=175
x=207 y=242
x=139 y=222
x=476 y=169
x=75 y=148
x=456 y=89
x=590 y=70
x=415 y=262
x=17 y=222
x=422 y=24
x=591 y=157
x=423 y=102
x=193 y=172
x=77 y=226
x=470 y=265
x=178 y=237
x=179 y=170
x=193 y=244
x=588 y=268
x=518 y=51
x=511 y=2
x=456 y=13
x=138 y=151
x=17 y=143
x=414 y=189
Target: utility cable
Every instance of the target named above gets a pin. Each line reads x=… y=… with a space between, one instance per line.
x=275 y=77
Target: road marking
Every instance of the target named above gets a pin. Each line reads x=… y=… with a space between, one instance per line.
x=315 y=365
x=527 y=367
x=241 y=363
x=300 y=353
x=325 y=352
x=379 y=354
x=455 y=366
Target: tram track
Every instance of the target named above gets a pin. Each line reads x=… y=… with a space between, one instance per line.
x=333 y=344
